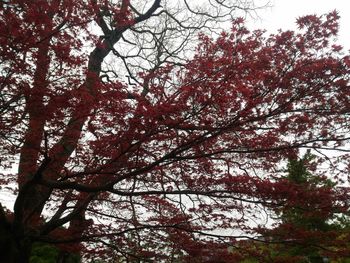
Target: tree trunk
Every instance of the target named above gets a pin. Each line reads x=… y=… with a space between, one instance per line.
x=12 y=250
x=8 y=249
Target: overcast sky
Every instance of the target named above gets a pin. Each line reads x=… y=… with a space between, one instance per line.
x=283 y=13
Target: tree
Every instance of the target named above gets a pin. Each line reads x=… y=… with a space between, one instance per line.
x=43 y=253
x=311 y=207
x=175 y=154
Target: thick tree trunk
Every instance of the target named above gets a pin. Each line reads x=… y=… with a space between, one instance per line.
x=8 y=249
x=12 y=250
x=24 y=252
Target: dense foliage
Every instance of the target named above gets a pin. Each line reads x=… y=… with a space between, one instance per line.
x=310 y=226
x=183 y=156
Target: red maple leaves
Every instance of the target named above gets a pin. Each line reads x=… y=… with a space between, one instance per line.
x=193 y=148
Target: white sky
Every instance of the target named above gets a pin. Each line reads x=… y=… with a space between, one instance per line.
x=283 y=13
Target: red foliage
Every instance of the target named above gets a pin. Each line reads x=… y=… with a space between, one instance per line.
x=167 y=166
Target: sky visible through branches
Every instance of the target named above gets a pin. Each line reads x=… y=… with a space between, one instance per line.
x=166 y=139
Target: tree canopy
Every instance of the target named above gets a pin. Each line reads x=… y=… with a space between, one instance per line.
x=309 y=211
x=131 y=140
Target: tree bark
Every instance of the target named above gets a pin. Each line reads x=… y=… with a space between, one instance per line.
x=12 y=248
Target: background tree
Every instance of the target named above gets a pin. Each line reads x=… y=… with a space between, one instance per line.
x=173 y=155
x=44 y=253
x=310 y=208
